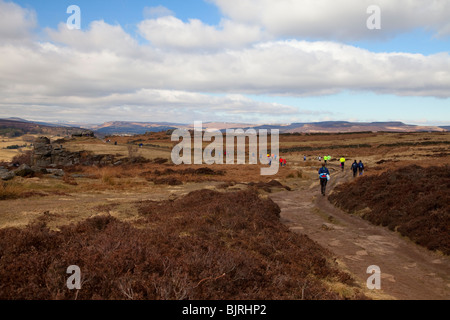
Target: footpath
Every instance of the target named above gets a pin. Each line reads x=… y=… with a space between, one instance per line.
x=408 y=271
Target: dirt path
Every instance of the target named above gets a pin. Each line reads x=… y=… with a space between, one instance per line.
x=408 y=271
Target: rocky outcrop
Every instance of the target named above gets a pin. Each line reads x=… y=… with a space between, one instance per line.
x=42 y=152
x=46 y=154
x=85 y=133
x=62 y=157
x=48 y=158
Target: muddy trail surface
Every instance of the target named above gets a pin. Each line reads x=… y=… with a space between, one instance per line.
x=408 y=271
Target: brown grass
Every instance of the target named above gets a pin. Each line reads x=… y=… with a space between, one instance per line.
x=9 y=190
x=9 y=154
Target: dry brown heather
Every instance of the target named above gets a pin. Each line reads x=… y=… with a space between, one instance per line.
x=412 y=200
x=207 y=245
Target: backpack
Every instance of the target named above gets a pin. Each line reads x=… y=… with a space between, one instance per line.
x=324 y=176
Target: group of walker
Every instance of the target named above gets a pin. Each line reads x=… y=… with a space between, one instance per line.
x=324 y=173
x=281 y=160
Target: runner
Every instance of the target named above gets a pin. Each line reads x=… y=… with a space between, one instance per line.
x=342 y=160
x=324 y=176
x=360 y=168
x=354 y=168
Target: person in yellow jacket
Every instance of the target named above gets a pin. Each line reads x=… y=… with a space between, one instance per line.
x=342 y=160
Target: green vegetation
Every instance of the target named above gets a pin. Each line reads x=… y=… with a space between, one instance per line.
x=16 y=146
x=12 y=132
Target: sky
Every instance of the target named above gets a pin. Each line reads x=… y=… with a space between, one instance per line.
x=248 y=61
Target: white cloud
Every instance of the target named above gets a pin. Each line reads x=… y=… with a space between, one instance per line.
x=297 y=68
x=157 y=12
x=339 y=19
x=104 y=72
x=16 y=23
x=99 y=37
x=146 y=104
x=170 y=32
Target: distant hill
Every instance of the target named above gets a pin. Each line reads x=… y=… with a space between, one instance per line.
x=48 y=124
x=344 y=126
x=16 y=127
x=126 y=127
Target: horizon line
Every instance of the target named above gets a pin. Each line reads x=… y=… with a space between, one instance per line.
x=227 y=122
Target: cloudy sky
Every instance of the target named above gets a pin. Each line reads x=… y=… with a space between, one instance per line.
x=263 y=61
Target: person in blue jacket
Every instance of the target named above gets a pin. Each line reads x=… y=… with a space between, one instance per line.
x=354 y=168
x=360 y=168
x=324 y=175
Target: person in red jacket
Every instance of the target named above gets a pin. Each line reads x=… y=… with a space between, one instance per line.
x=284 y=162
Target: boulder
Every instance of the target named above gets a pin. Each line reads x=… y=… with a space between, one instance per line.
x=56 y=172
x=39 y=170
x=5 y=174
x=24 y=171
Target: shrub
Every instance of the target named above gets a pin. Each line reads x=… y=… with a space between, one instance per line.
x=10 y=191
x=23 y=158
x=169 y=181
x=13 y=147
x=412 y=200
x=207 y=245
